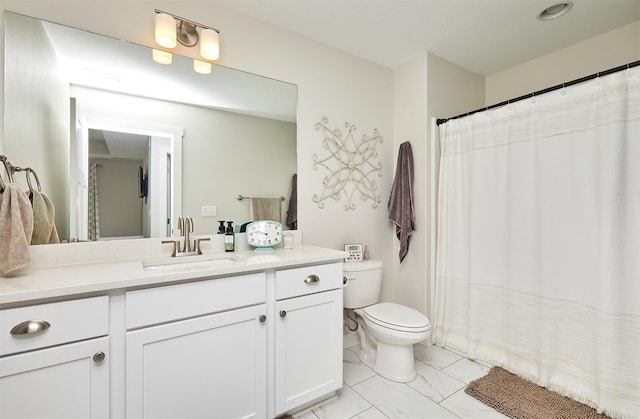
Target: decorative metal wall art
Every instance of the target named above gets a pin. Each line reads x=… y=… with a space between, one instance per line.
x=351 y=165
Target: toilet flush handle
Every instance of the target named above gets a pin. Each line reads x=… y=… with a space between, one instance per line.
x=346 y=279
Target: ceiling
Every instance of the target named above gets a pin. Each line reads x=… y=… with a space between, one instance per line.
x=117 y=145
x=483 y=36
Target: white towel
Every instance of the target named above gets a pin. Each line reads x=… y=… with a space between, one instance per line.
x=16 y=228
x=266 y=209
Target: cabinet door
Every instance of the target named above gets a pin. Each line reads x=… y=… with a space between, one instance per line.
x=308 y=349
x=212 y=366
x=65 y=381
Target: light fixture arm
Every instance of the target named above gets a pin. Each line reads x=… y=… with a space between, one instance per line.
x=199 y=25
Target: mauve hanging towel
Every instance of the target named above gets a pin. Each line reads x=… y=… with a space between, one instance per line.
x=401 y=199
x=292 y=212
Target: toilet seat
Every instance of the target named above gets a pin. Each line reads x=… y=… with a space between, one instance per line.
x=397 y=317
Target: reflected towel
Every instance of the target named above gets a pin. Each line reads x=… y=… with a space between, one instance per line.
x=266 y=209
x=292 y=212
x=400 y=205
x=44 y=214
x=16 y=228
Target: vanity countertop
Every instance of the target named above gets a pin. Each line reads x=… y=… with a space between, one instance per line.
x=91 y=277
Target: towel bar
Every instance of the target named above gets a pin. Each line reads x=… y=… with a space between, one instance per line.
x=240 y=197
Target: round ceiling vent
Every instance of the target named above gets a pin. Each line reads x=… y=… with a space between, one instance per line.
x=555 y=11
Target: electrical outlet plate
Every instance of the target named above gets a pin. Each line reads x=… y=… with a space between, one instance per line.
x=209 y=211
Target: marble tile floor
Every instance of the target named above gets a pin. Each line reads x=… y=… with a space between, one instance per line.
x=436 y=393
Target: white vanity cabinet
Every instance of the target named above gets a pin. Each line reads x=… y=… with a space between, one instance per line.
x=255 y=339
x=54 y=360
x=308 y=335
x=191 y=352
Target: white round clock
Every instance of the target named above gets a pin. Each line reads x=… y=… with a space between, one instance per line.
x=264 y=234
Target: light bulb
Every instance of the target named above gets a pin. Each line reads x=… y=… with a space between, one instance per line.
x=165 y=30
x=201 y=67
x=162 y=57
x=209 y=44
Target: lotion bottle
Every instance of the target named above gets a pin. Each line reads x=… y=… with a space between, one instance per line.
x=229 y=238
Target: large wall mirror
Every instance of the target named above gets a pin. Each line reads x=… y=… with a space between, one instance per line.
x=106 y=127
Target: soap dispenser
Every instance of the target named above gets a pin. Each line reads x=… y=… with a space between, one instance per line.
x=221 y=229
x=229 y=238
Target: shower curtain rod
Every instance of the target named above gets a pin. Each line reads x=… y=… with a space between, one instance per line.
x=547 y=90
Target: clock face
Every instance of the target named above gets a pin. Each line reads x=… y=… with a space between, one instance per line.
x=264 y=234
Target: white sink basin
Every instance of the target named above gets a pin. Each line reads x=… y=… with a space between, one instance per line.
x=190 y=263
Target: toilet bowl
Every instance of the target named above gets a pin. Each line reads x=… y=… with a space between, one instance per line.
x=387 y=331
x=393 y=329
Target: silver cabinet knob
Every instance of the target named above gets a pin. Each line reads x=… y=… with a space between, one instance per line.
x=98 y=357
x=29 y=327
x=283 y=313
x=312 y=279
x=262 y=318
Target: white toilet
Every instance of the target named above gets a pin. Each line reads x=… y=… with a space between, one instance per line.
x=387 y=331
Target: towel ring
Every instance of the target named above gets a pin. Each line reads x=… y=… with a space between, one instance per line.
x=7 y=168
x=28 y=171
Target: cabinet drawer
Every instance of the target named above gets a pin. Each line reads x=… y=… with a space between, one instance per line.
x=174 y=302
x=68 y=321
x=308 y=280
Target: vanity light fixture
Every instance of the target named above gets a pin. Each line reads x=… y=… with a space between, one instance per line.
x=162 y=57
x=171 y=29
x=201 y=67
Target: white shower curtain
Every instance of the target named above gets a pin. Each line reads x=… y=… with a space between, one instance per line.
x=538 y=258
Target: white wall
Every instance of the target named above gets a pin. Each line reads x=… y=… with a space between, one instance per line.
x=614 y=48
x=405 y=282
x=425 y=87
x=48 y=99
x=331 y=84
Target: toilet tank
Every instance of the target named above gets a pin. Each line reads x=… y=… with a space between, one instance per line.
x=363 y=283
